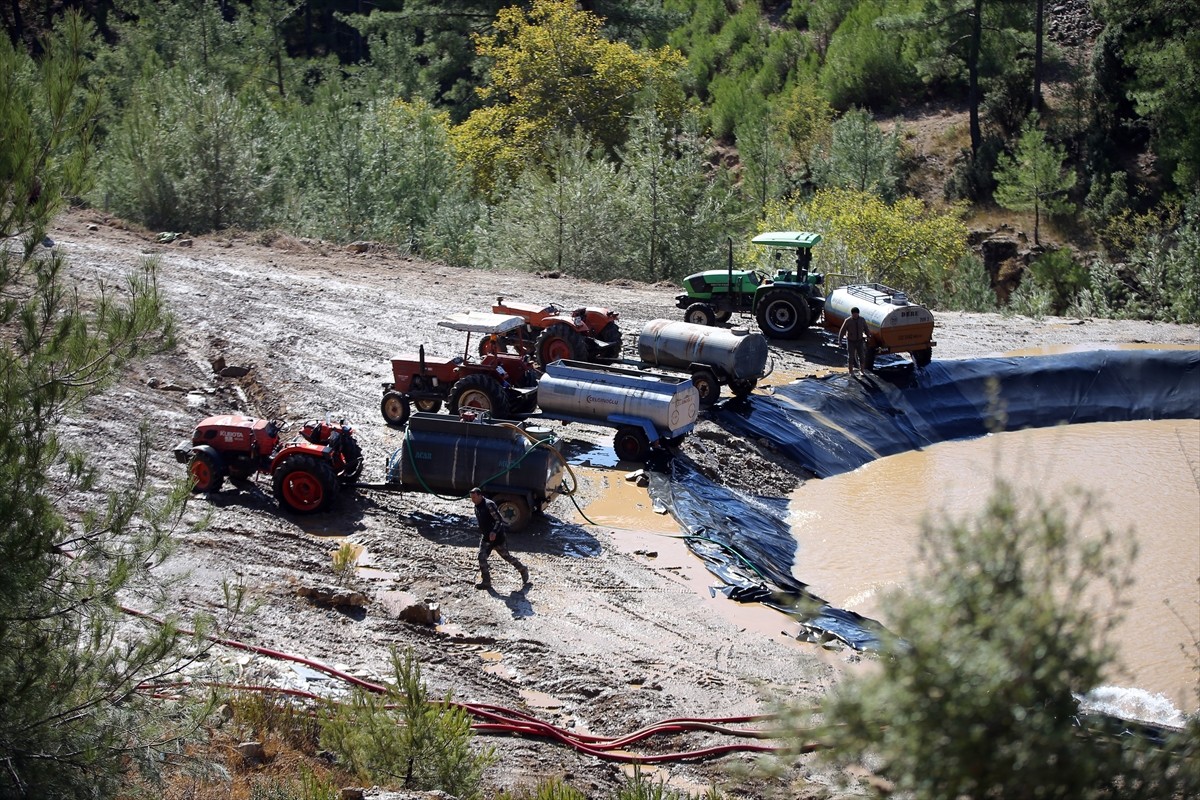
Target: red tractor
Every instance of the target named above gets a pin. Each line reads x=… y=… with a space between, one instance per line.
x=498 y=382
x=552 y=333
x=305 y=472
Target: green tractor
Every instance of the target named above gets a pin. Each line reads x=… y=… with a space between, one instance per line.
x=784 y=305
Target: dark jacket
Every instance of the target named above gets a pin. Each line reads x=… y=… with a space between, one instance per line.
x=487 y=514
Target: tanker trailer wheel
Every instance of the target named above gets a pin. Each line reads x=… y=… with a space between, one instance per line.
x=479 y=391
x=922 y=358
x=515 y=510
x=560 y=341
x=743 y=387
x=631 y=444
x=206 y=472
x=706 y=383
x=700 y=314
x=353 y=456
x=304 y=484
x=395 y=408
x=782 y=314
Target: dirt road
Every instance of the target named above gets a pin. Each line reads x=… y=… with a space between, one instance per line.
x=618 y=630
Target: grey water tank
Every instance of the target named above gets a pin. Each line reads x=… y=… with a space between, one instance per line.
x=737 y=353
x=447 y=455
x=610 y=395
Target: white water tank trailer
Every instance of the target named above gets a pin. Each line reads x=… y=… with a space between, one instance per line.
x=646 y=408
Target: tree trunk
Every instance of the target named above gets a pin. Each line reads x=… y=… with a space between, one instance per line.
x=1037 y=55
x=973 y=49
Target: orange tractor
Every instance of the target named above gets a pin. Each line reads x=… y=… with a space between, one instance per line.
x=553 y=333
x=498 y=382
x=305 y=471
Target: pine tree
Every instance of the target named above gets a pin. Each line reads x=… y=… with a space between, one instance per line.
x=70 y=717
x=1033 y=178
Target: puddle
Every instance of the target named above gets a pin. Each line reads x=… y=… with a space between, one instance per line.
x=623 y=504
x=600 y=455
x=633 y=528
x=540 y=700
x=491 y=655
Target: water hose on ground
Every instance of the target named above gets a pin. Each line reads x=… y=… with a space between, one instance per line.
x=493 y=719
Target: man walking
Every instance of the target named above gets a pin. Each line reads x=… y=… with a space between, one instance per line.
x=493 y=535
x=855 y=331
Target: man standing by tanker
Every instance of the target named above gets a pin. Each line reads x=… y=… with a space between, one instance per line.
x=493 y=535
x=855 y=331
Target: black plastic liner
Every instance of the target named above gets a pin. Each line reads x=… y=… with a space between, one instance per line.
x=835 y=425
x=748 y=544
x=838 y=424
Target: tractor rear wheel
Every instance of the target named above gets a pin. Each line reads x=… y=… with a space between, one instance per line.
x=353 y=456
x=560 y=342
x=515 y=510
x=706 y=383
x=742 y=387
x=429 y=406
x=479 y=391
x=700 y=314
x=304 y=484
x=923 y=358
x=206 y=472
x=609 y=334
x=631 y=444
x=395 y=408
x=782 y=314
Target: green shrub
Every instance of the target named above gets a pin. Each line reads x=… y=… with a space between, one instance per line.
x=1010 y=619
x=404 y=739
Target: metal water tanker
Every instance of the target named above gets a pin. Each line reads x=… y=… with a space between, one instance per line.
x=521 y=471
x=713 y=356
x=646 y=408
x=896 y=325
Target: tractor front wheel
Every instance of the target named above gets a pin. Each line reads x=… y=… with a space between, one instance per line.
x=206 y=472
x=429 y=406
x=782 y=314
x=560 y=342
x=479 y=391
x=700 y=314
x=706 y=383
x=304 y=485
x=395 y=408
x=515 y=510
x=631 y=444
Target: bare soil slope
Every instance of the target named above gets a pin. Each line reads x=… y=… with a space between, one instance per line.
x=618 y=630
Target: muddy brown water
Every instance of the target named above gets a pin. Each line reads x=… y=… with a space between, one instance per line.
x=857 y=533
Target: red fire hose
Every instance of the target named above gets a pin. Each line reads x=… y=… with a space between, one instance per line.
x=493 y=719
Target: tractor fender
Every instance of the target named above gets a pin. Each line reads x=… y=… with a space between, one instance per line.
x=192 y=449
x=319 y=451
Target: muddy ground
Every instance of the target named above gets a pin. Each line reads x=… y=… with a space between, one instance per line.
x=619 y=629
